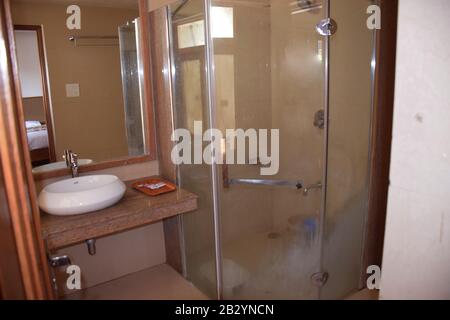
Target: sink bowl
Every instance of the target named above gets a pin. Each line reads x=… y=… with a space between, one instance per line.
x=59 y=165
x=81 y=195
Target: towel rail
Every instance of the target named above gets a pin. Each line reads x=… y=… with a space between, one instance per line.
x=95 y=41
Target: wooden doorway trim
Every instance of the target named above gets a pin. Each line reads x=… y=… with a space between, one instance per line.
x=45 y=86
x=382 y=119
x=15 y=164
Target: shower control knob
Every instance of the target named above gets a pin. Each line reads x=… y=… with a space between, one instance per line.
x=326 y=27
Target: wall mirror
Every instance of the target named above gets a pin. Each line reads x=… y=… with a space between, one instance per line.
x=82 y=89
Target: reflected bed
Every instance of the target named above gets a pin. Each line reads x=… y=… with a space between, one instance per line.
x=38 y=142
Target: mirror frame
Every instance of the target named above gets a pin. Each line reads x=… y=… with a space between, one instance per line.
x=149 y=105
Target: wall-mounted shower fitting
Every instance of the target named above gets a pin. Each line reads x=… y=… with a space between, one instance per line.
x=308 y=188
x=302 y=6
x=92 y=248
x=326 y=27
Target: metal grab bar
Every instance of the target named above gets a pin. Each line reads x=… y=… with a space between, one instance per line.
x=298 y=184
x=274 y=183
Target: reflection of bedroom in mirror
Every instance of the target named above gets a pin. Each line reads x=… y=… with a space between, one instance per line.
x=82 y=89
x=33 y=80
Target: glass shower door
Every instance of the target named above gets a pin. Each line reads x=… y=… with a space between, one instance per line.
x=269 y=74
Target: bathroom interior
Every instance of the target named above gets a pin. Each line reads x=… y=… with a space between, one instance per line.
x=104 y=100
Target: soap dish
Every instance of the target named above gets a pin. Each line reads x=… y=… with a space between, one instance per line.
x=154 y=186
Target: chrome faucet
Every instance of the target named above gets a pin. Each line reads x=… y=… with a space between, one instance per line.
x=74 y=164
x=71 y=162
x=66 y=157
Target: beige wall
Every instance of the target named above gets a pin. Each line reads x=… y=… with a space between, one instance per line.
x=416 y=260
x=92 y=124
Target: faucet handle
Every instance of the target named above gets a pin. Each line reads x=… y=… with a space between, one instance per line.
x=73 y=158
x=66 y=156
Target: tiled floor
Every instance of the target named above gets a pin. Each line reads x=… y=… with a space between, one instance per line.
x=157 y=283
x=162 y=283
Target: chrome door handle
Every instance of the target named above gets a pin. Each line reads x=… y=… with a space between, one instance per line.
x=298 y=184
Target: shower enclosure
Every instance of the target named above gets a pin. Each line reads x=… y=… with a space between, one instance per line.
x=270 y=64
x=131 y=69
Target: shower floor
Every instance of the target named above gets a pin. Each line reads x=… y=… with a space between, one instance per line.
x=279 y=265
x=272 y=266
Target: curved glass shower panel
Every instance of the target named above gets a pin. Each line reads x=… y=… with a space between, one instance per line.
x=269 y=74
x=351 y=53
x=190 y=105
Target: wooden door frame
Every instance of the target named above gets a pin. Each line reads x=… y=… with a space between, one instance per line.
x=381 y=137
x=45 y=86
x=15 y=163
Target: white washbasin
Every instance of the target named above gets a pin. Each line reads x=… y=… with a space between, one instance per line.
x=59 y=165
x=81 y=195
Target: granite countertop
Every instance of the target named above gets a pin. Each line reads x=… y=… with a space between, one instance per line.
x=134 y=210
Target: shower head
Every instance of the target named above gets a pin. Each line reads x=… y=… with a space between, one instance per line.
x=305 y=4
x=300 y=6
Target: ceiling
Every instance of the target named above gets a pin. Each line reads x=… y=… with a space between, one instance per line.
x=94 y=3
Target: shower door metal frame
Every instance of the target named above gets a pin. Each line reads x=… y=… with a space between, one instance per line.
x=211 y=97
x=209 y=75
x=321 y=273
